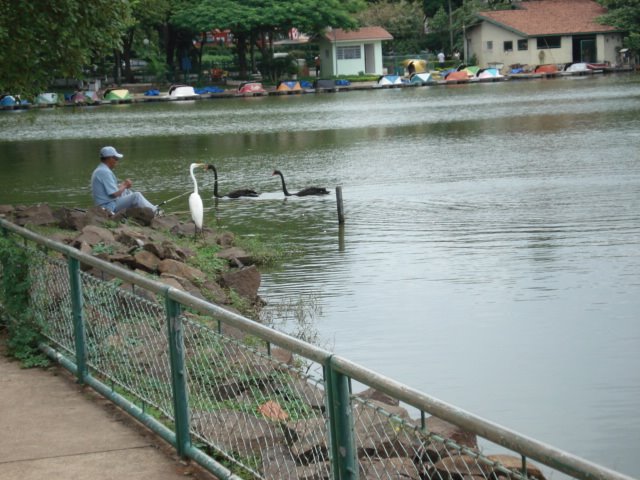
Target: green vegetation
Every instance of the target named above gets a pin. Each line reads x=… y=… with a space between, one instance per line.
x=100 y=248
x=265 y=252
x=624 y=14
x=205 y=259
x=83 y=32
x=23 y=327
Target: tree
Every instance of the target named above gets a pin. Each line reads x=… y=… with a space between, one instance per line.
x=147 y=17
x=42 y=41
x=403 y=19
x=625 y=15
x=258 y=22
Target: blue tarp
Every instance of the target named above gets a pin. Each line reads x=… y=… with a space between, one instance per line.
x=7 y=101
x=306 y=84
x=517 y=70
x=202 y=90
x=343 y=83
x=152 y=93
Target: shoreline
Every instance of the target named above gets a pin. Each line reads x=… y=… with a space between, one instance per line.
x=357 y=86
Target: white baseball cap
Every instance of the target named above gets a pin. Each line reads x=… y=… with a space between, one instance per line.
x=110 y=152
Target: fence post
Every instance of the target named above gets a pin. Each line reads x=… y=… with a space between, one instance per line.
x=78 y=319
x=344 y=462
x=178 y=380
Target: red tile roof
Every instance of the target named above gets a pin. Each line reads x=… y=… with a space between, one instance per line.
x=551 y=17
x=364 y=33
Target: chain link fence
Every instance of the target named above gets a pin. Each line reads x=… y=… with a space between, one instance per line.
x=248 y=402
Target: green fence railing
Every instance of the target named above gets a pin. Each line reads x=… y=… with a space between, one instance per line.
x=234 y=395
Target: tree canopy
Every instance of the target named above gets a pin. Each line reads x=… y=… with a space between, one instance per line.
x=403 y=19
x=41 y=41
x=251 y=21
x=624 y=14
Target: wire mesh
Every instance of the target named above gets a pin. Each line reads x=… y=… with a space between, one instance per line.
x=265 y=414
x=51 y=299
x=126 y=341
x=253 y=409
x=391 y=445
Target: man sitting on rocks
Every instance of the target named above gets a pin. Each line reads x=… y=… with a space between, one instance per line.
x=106 y=191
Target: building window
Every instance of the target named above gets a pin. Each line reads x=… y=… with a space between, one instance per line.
x=508 y=46
x=548 y=42
x=489 y=45
x=348 y=53
x=523 y=44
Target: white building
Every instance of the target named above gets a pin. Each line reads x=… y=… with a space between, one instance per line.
x=540 y=32
x=349 y=52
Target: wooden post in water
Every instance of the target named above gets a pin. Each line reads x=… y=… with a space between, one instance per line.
x=340 y=206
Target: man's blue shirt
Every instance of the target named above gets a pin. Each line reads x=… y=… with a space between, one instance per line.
x=103 y=185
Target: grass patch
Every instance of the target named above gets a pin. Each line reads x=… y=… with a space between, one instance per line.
x=206 y=260
x=265 y=252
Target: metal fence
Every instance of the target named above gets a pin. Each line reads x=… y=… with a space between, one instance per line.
x=236 y=396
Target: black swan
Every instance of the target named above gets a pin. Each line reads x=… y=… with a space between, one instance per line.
x=241 y=192
x=302 y=193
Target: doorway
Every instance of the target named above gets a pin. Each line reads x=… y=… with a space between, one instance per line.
x=584 y=49
x=369 y=58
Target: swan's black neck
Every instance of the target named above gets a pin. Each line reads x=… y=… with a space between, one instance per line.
x=215 y=182
x=284 y=185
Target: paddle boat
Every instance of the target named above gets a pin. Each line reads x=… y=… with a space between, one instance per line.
x=46 y=99
x=391 y=80
x=117 y=95
x=182 y=92
x=421 y=78
x=289 y=86
x=251 y=89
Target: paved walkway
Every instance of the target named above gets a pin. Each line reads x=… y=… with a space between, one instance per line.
x=52 y=428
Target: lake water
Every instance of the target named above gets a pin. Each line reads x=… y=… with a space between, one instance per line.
x=491 y=251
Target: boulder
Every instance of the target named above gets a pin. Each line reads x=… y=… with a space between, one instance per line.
x=146 y=261
x=431 y=450
x=378 y=434
x=237 y=431
x=184 y=230
x=171 y=281
x=215 y=293
x=373 y=394
x=235 y=256
x=278 y=464
x=515 y=463
x=130 y=237
x=71 y=218
x=123 y=259
x=179 y=269
x=225 y=239
x=307 y=440
x=99 y=216
x=35 y=215
x=94 y=235
x=395 y=468
x=306 y=392
x=6 y=210
x=459 y=467
x=185 y=285
x=245 y=281
x=142 y=216
x=168 y=250
x=165 y=222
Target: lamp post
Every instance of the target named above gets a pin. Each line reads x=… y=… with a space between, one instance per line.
x=145 y=42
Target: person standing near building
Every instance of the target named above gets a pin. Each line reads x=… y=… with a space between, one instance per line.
x=106 y=191
x=317 y=60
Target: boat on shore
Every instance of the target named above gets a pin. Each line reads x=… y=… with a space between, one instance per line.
x=182 y=92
